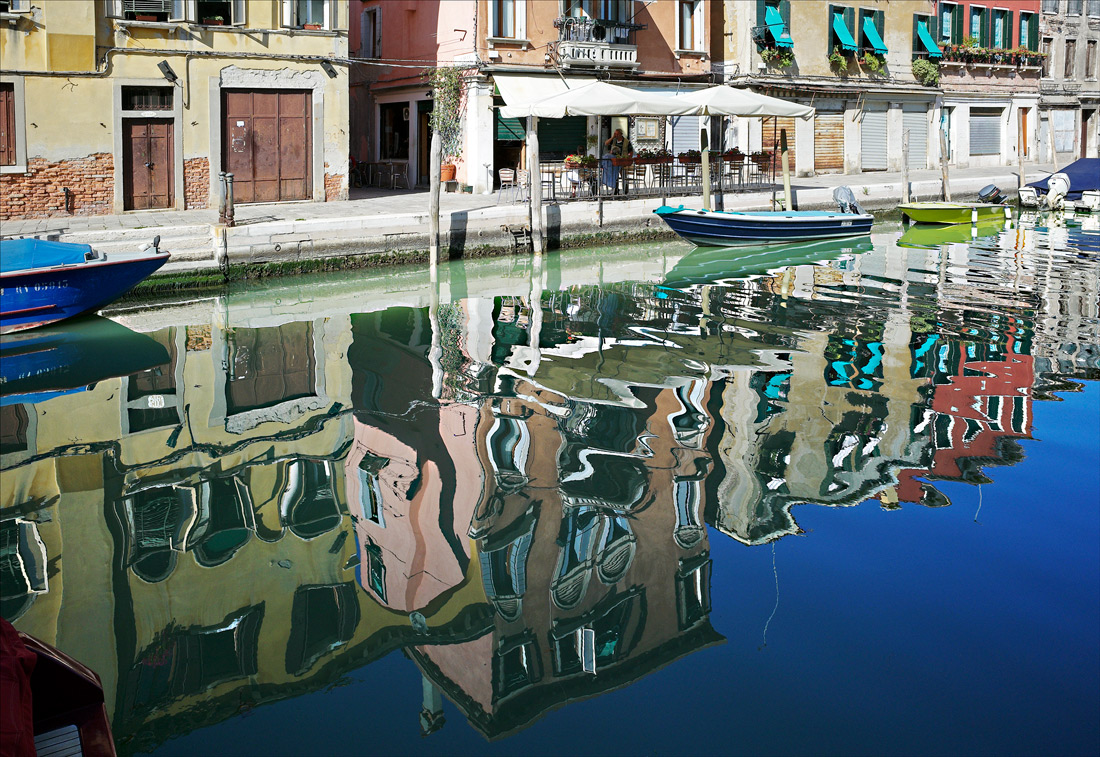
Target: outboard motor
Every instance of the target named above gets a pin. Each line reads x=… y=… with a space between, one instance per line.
x=991 y=194
x=846 y=201
x=1057 y=188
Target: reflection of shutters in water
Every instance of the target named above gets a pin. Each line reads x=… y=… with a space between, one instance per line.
x=1063 y=129
x=685 y=134
x=156 y=519
x=770 y=129
x=270 y=365
x=828 y=142
x=308 y=505
x=872 y=139
x=321 y=619
x=22 y=566
x=562 y=135
x=985 y=131
x=915 y=119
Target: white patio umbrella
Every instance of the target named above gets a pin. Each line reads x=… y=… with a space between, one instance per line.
x=730 y=101
x=601 y=99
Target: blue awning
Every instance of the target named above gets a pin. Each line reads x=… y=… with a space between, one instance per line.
x=847 y=42
x=776 y=27
x=926 y=40
x=870 y=33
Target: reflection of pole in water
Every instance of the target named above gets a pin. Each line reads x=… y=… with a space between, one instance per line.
x=431 y=713
x=435 y=352
x=979 y=505
x=775 y=571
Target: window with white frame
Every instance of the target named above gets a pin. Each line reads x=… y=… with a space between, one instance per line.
x=1002 y=24
x=1073 y=7
x=15 y=6
x=508 y=19
x=689 y=25
x=1050 y=6
x=309 y=14
x=370 y=33
x=219 y=12
x=209 y=12
x=578 y=8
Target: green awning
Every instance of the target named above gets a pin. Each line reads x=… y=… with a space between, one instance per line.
x=847 y=42
x=926 y=40
x=870 y=33
x=776 y=27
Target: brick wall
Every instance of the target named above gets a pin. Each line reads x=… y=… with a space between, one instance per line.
x=40 y=193
x=336 y=186
x=196 y=183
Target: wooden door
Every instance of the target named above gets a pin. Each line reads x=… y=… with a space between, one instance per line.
x=770 y=129
x=7 y=124
x=828 y=142
x=267 y=144
x=147 y=163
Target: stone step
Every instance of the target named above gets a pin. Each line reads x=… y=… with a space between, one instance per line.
x=136 y=235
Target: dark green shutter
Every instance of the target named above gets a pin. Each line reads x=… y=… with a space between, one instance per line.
x=850 y=19
x=917 y=46
x=957 y=24
x=1008 y=30
x=759 y=13
x=880 y=24
x=785 y=14
x=562 y=135
x=1033 y=33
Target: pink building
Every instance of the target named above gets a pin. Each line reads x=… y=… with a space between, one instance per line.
x=517 y=50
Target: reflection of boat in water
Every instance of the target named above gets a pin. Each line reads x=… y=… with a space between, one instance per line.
x=707 y=265
x=923 y=235
x=68 y=357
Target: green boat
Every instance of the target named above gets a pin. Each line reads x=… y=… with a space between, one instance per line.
x=925 y=235
x=953 y=212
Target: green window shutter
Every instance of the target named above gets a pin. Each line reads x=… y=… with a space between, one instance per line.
x=916 y=40
x=1033 y=33
x=785 y=12
x=850 y=18
x=957 y=24
x=880 y=24
x=1008 y=30
x=760 y=11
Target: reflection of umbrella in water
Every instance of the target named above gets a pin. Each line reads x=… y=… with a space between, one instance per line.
x=39 y=364
x=710 y=265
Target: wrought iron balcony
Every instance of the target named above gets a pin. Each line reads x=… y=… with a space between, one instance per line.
x=596 y=42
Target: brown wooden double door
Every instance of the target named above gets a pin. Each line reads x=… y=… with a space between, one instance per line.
x=147 y=158
x=267 y=144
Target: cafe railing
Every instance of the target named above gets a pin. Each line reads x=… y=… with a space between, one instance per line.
x=629 y=178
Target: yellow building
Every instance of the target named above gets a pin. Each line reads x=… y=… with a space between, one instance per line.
x=118 y=105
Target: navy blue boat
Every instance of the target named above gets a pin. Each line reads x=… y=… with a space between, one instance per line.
x=44 y=282
x=720 y=228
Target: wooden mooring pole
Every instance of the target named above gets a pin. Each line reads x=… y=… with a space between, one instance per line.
x=905 y=166
x=534 y=176
x=787 y=204
x=943 y=167
x=433 y=201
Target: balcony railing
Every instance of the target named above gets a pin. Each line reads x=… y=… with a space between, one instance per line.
x=602 y=30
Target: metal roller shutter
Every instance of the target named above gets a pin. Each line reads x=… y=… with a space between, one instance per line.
x=685 y=133
x=985 y=131
x=770 y=133
x=915 y=119
x=828 y=142
x=872 y=139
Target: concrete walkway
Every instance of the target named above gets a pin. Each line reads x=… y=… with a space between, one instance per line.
x=396 y=221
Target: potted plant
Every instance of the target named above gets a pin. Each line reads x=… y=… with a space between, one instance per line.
x=214 y=21
x=838 y=60
x=873 y=62
x=447 y=84
x=733 y=154
x=690 y=156
x=926 y=72
x=762 y=158
x=780 y=57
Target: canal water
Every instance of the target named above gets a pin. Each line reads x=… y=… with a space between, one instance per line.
x=832 y=498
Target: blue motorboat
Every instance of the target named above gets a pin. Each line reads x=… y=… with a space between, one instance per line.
x=720 y=228
x=43 y=282
x=69 y=357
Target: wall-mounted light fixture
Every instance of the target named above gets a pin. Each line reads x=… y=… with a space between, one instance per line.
x=328 y=68
x=167 y=71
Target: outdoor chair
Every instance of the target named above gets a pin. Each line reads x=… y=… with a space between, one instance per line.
x=507 y=181
x=400 y=174
x=523 y=185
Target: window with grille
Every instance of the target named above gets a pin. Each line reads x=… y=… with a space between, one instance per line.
x=147 y=98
